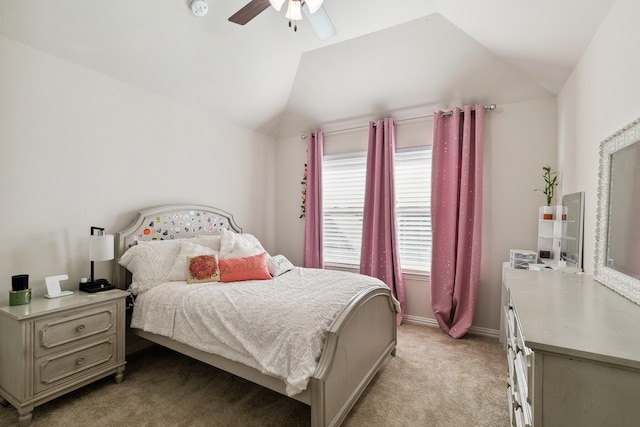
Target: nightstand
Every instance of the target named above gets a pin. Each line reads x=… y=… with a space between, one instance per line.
x=53 y=346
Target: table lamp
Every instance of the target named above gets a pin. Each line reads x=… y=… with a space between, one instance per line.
x=100 y=249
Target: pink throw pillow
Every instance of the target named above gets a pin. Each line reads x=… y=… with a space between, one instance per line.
x=247 y=268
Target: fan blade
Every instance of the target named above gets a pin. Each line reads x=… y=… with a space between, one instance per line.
x=320 y=22
x=250 y=11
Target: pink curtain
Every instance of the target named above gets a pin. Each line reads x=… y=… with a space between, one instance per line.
x=379 y=256
x=456 y=217
x=313 y=218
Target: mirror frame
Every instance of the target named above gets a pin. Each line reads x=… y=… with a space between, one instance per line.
x=625 y=285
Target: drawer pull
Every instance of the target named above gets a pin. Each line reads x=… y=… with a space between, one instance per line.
x=80 y=360
x=80 y=328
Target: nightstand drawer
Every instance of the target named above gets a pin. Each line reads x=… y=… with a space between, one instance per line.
x=56 y=331
x=59 y=367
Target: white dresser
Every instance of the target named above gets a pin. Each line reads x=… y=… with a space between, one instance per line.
x=573 y=349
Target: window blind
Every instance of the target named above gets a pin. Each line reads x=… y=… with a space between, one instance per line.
x=413 y=208
x=343 y=205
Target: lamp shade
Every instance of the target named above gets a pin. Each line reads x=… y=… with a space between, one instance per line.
x=101 y=247
x=313 y=5
x=294 y=11
x=277 y=4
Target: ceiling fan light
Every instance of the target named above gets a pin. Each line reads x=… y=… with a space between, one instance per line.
x=277 y=4
x=294 y=11
x=313 y=5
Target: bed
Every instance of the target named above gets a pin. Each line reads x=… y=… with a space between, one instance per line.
x=356 y=336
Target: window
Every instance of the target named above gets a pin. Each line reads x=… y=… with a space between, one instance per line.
x=413 y=208
x=343 y=204
x=343 y=181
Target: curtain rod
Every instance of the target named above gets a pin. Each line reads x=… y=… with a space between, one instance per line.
x=489 y=107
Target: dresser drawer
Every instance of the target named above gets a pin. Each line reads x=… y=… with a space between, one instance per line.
x=512 y=405
x=52 y=369
x=511 y=357
x=511 y=328
x=53 y=332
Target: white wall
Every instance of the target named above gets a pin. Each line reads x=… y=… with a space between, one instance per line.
x=338 y=87
x=78 y=149
x=601 y=96
x=520 y=139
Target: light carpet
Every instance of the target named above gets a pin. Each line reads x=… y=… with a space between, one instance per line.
x=433 y=381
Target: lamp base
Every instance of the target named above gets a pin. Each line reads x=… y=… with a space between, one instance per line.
x=97 y=286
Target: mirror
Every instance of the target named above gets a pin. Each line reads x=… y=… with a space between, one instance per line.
x=573 y=230
x=617 y=262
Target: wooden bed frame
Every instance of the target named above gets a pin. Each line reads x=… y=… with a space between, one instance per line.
x=359 y=341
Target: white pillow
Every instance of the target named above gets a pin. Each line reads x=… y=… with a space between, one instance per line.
x=210 y=241
x=150 y=262
x=235 y=245
x=278 y=265
x=179 y=269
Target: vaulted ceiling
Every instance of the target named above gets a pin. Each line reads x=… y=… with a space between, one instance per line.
x=266 y=77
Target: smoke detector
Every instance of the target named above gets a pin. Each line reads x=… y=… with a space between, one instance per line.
x=199 y=7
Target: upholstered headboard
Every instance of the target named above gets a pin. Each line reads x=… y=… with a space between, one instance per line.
x=169 y=222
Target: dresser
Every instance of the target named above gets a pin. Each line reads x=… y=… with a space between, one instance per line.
x=52 y=346
x=573 y=351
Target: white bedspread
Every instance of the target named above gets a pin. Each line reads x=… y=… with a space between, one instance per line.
x=276 y=326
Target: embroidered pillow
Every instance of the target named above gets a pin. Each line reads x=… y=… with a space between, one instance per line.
x=278 y=265
x=247 y=268
x=203 y=268
x=189 y=249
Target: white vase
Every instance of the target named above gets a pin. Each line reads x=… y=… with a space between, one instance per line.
x=547 y=212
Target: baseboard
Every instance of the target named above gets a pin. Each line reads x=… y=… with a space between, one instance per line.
x=475 y=330
x=425 y=321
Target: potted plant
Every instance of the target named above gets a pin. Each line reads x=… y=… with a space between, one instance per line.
x=550 y=184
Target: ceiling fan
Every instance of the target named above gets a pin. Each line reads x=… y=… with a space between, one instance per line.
x=312 y=10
